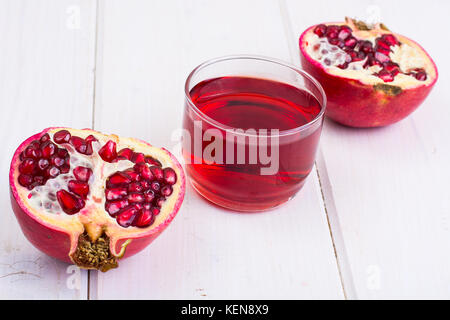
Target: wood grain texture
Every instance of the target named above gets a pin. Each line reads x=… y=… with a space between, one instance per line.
x=145 y=52
x=386 y=189
x=46 y=59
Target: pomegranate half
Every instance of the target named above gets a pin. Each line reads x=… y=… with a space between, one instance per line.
x=371 y=76
x=89 y=198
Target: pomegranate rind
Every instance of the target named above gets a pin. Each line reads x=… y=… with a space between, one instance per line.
x=356 y=103
x=58 y=237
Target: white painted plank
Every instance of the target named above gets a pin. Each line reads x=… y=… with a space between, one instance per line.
x=387 y=188
x=46 y=79
x=146 y=49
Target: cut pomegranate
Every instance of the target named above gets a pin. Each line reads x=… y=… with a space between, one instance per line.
x=371 y=76
x=79 y=200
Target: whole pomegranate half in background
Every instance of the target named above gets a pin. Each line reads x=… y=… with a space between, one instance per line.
x=371 y=76
x=88 y=198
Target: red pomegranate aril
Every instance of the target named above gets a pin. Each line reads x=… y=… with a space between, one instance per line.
x=114 y=207
x=381 y=57
x=115 y=193
x=118 y=179
x=389 y=39
x=166 y=191
x=144 y=219
x=90 y=138
x=127 y=153
x=392 y=67
x=145 y=185
x=25 y=180
x=44 y=138
x=79 y=144
x=320 y=30
x=351 y=42
x=65 y=168
x=82 y=173
x=335 y=41
x=62 y=136
x=57 y=161
x=138 y=157
x=381 y=45
x=135 y=198
x=149 y=195
x=27 y=166
x=52 y=172
x=155 y=186
x=155 y=211
x=62 y=153
x=170 y=176
x=332 y=32
x=39 y=180
x=153 y=162
x=69 y=202
x=132 y=174
x=48 y=149
x=135 y=187
x=344 y=33
x=43 y=164
x=108 y=152
x=366 y=46
x=79 y=188
x=385 y=75
x=126 y=216
x=157 y=172
x=144 y=171
x=421 y=76
x=160 y=201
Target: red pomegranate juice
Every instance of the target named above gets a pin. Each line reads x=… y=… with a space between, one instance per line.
x=235 y=180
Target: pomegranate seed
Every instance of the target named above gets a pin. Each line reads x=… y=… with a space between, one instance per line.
x=90 y=138
x=27 y=166
x=392 y=67
x=155 y=211
x=135 y=198
x=332 y=32
x=155 y=186
x=62 y=136
x=82 y=173
x=138 y=157
x=115 y=193
x=48 y=149
x=39 y=180
x=52 y=172
x=157 y=172
x=170 y=177
x=62 y=153
x=366 y=46
x=127 y=153
x=43 y=164
x=65 y=168
x=381 y=57
x=69 y=202
x=114 y=207
x=421 y=76
x=79 y=144
x=381 y=45
x=166 y=190
x=351 y=42
x=57 y=161
x=44 y=138
x=25 y=180
x=79 y=188
x=135 y=187
x=320 y=30
x=160 y=201
x=149 y=195
x=126 y=216
x=344 y=33
x=144 y=171
x=108 y=151
x=118 y=179
x=144 y=219
x=133 y=175
x=152 y=161
x=389 y=39
x=385 y=75
x=145 y=185
x=334 y=41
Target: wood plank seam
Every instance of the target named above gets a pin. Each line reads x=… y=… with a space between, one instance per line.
x=345 y=274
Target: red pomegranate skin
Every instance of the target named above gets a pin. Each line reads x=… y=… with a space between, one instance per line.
x=56 y=243
x=355 y=104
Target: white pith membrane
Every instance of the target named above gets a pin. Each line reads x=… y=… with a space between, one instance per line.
x=93 y=219
x=408 y=55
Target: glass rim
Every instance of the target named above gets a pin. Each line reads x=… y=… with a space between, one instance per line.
x=224 y=127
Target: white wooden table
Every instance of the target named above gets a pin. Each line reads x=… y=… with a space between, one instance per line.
x=372 y=222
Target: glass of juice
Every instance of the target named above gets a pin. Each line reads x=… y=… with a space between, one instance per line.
x=251 y=128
